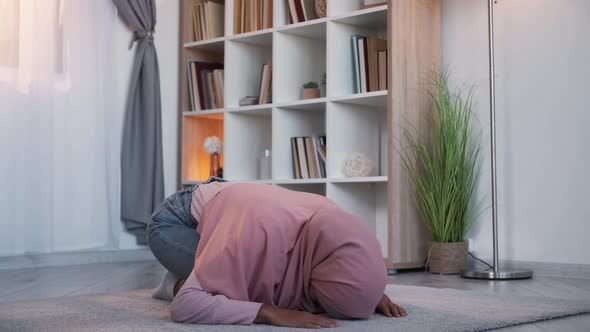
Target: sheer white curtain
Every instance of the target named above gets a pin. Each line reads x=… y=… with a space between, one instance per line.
x=59 y=130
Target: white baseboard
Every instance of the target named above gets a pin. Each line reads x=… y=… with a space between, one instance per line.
x=75 y=258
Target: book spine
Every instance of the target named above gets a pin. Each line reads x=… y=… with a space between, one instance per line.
x=311 y=162
x=293 y=11
x=362 y=64
x=189 y=80
x=302 y=158
x=296 y=170
x=317 y=156
x=237 y=16
x=355 y=63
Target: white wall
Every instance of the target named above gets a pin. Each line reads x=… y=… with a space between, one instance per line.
x=543 y=111
x=166 y=40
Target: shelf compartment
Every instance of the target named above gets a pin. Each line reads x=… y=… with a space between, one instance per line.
x=368 y=201
x=340 y=68
x=354 y=128
x=298 y=59
x=314 y=188
x=251 y=134
x=293 y=123
x=243 y=65
x=195 y=160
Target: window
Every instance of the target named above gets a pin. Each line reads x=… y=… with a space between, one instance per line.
x=9 y=29
x=34 y=33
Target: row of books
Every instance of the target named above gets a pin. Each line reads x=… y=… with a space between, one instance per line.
x=208 y=20
x=309 y=157
x=205 y=81
x=252 y=15
x=302 y=10
x=370 y=63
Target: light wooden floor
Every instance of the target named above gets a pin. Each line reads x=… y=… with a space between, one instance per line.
x=37 y=283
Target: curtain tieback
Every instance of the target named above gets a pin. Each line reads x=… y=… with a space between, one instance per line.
x=141 y=34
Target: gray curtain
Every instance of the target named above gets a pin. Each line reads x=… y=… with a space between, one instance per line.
x=142 y=174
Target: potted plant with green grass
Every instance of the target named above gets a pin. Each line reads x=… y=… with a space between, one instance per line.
x=443 y=168
x=311 y=90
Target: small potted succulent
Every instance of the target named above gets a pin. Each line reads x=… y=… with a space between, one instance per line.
x=311 y=90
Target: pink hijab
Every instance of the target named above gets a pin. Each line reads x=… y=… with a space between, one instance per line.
x=270 y=245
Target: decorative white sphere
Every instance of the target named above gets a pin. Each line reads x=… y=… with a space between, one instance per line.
x=358 y=165
x=212 y=145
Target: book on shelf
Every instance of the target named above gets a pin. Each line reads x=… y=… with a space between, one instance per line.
x=208 y=20
x=205 y=84
x=302 y=10
x=369 y=56
x=296 y=169
x=248 y=101
x=252 y=15
x=265 y=95
x=309 y=157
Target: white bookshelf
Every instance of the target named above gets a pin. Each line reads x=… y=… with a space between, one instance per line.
x=299 y=53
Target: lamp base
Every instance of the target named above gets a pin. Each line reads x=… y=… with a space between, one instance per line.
x=500 y=275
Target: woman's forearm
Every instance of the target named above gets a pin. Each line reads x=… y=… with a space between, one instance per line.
x=194 y=305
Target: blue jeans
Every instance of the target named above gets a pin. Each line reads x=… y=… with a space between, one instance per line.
x=171 y=233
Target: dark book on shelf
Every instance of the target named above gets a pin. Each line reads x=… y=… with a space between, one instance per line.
x=363 y=75
x=202 y=91
x=295 y=153
x=293 y=11
x=356 y=63
x=309 y=157
x=321 y=162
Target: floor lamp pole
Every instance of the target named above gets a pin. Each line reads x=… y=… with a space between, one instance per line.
x=496 y=273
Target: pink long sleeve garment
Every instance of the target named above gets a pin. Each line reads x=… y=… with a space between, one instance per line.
x=194 y=305
x=270 y=245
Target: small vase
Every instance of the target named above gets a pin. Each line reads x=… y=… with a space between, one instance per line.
x=214 y=165
x=311 y=93
x=447 y=258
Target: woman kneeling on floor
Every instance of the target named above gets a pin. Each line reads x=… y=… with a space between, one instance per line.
x=266 y=255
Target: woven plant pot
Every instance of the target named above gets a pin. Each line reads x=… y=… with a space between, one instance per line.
x=447 y=258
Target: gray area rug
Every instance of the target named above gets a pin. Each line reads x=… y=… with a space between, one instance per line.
x=429 y=309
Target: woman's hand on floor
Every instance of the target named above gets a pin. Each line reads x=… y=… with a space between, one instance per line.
x=389 y=309
x=292 y=318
